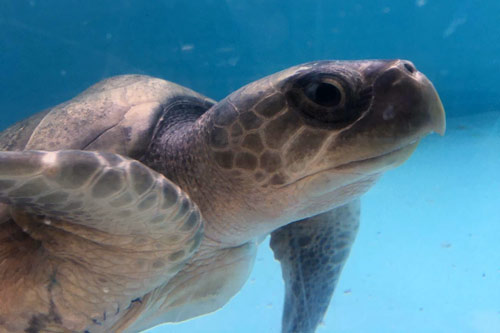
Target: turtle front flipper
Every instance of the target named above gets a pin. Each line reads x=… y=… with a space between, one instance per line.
x=90 y=234
x=312 y=253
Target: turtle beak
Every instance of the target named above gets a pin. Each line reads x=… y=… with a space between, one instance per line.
x=436 y=110
x=432 y=106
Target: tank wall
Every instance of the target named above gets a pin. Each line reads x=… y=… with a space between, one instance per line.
x=51 y=50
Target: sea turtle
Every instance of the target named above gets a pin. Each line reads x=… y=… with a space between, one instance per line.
x=140 y=202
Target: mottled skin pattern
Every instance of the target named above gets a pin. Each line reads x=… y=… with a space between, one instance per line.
x=153 y=202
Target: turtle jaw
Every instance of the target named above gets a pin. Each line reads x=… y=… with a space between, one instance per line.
x=380 y=163
x=341 y=183
x=367 y=166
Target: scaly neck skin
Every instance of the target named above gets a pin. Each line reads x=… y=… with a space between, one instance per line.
x=179 y=151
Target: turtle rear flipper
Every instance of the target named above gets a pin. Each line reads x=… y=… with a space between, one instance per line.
x=104 y=230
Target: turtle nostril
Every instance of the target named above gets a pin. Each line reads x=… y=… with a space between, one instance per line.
x=409 y=67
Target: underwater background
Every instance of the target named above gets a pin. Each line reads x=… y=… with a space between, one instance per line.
x=427 y=257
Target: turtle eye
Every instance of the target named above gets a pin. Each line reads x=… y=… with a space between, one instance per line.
x=324 y=99
x=325 y=93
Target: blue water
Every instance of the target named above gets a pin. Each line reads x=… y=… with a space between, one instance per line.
x=427 y=258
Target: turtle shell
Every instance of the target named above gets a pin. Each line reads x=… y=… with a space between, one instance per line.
x=117 y=115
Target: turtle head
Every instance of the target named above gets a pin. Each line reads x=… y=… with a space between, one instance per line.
x=317 y=135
